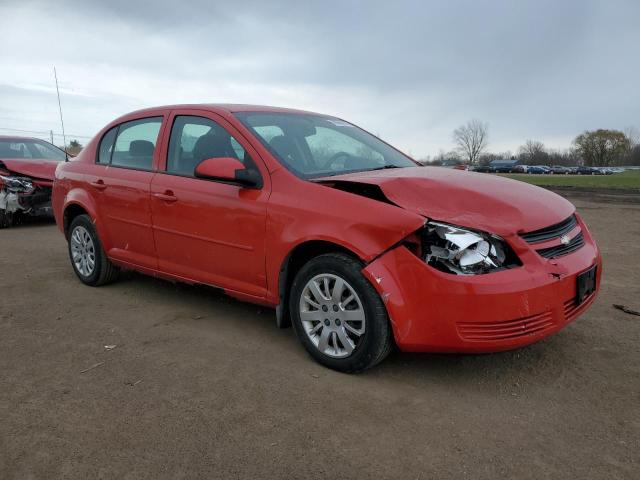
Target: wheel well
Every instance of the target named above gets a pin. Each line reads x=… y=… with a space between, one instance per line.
x=293 y=263
x=71 y=212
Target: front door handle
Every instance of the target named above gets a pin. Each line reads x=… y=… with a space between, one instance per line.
x=99 y=184
x=167 y=196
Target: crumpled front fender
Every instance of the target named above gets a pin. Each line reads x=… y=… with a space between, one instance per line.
x=433 y=311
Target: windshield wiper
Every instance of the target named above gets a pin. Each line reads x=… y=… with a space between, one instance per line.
x=384 y=167
x=347 y=172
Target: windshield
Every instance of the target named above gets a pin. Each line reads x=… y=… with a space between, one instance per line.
x=314 y=146
x=29 y=149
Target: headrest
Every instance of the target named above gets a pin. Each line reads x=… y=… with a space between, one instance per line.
x=141 y=148
x=282 y=144
x=285 y=147
x=213 y=145
x=5 y=151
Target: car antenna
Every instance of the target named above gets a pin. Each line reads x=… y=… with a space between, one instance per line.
x=64 y=138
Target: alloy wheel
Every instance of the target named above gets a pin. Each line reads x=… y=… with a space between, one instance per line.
x=332 y=315
x=83 y=251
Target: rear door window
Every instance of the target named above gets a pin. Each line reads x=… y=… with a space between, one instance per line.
x=135 y=143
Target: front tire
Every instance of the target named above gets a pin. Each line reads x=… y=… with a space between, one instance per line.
x=88 y=259
x=6 y=218
x=337 y=314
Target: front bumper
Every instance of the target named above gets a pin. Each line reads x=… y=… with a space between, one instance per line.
x=36 y=203
x=432 y=311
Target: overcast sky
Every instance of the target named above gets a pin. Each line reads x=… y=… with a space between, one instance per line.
x=410 y=71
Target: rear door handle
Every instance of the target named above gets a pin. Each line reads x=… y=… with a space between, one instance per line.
x=98 y=184
x=167 y=196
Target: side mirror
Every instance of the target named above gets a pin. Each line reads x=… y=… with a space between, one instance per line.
x=228 y=169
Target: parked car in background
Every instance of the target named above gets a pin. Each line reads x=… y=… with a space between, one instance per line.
x=456 y=165
x=509 y=169
x=504 y=165
x=559 y=170
x=27 y=167
x=503 y=169
x=584 y=170
x=345 y=236
x=538 y=169
x=519 y=169
x=483 y=169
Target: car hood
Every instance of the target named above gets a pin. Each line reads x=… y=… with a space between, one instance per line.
x=34 y=168
x=475 y=200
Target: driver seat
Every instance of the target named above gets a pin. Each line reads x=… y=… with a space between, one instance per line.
x=287 y=149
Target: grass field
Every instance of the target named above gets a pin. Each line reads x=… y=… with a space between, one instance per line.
x=629 y=179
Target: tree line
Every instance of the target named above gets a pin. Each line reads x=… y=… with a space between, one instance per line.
x=594 y=148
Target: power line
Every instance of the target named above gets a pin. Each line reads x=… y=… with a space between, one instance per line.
x=45 y=132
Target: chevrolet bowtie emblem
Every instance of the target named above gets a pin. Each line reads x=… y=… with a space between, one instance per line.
x=564 y=239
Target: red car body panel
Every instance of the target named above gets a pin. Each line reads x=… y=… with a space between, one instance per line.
x=239 y=239
x=37 y=169
x=438 y=312
x=470 y=199
x=367 y=227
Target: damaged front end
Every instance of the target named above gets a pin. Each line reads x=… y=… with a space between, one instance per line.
x=446 y=247
x=449 y=288
x=22 y=196
x=463 y=251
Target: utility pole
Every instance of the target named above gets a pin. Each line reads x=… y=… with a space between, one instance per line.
x=51 y=133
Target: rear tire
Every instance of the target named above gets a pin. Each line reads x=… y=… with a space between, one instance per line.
x=88 y=259
x=331 y=331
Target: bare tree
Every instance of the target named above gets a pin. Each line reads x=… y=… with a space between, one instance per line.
x=471 y=139
x=565 y=157
x=533 y=153
x=633 y=134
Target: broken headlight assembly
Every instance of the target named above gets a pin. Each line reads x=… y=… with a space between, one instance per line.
x=462 y=251
x=16 y=184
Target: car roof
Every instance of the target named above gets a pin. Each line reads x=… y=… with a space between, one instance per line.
x=17 y=138
x=225 y=108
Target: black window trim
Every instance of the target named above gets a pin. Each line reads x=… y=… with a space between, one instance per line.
x=115 y=139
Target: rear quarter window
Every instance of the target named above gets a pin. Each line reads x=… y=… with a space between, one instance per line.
x=106 y=146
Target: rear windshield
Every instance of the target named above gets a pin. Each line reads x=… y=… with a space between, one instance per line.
x=30 y=149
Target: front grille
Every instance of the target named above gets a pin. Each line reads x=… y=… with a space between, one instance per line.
x=520 y=327
x=560 y=250
x=549 y=233
x=572 y=309
x=556 y=232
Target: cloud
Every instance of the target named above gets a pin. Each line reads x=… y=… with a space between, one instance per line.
x=411 y=71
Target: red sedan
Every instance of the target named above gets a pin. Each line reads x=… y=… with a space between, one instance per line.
x=27 y=167
x=346 y=237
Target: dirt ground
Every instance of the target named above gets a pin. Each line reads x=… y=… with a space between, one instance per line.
x=202 y=386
